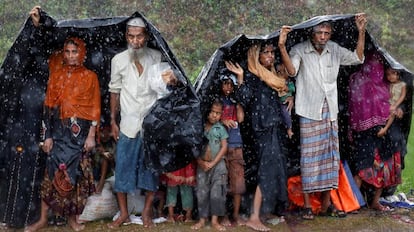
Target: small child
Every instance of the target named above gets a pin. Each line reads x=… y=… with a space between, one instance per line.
x=103 y=159
x=211 y=171
x=283 y=95
x=233 y=115
x=181 y=180
x=398 y=90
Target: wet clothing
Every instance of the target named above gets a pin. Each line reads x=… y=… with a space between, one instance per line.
x=181 y=180
x=75 y=202
x=319 y=162
x=285 y=112
x=235 y=168
x=72 y=102
x=186 y=193
x=265 y=140
x=395 y=91
x=138 y=93
x=316 y=77
x=317 y=104
x=211 y=187
x=376 y=160
x=234 y=157
x=128 y=177
x=366 y=109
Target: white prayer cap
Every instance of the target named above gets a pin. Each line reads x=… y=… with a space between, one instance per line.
x=136 y=22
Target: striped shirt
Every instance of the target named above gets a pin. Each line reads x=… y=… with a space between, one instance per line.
x=316 y=77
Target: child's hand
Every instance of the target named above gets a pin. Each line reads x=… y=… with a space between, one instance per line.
x=381 y=132
x=230 y=123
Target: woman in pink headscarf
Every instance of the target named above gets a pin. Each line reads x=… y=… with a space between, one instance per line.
x=375 y=160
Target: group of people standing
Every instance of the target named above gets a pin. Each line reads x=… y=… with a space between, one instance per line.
x=249 y=109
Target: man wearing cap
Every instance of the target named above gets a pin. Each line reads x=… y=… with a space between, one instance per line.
x=137 y=81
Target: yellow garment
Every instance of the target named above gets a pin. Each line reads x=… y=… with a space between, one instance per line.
x=270 y=77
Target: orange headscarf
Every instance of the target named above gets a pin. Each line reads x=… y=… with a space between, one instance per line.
x=270 y=77
x=74 y=89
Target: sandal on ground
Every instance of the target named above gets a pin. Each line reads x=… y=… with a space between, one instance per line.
x=308 y=214
x=331 y=211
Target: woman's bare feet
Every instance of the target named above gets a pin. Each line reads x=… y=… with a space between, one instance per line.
x=74 y=224
x=239 y=221
x=257 y=225
x=200 y=224
x=36 y=226
x=226 y=222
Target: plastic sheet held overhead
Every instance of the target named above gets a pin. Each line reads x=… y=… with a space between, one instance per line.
x=173 y=129
x=345 y=33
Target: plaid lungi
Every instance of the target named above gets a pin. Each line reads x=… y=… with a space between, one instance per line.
x=320 y=158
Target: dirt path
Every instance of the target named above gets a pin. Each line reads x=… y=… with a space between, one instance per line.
x=365 y=221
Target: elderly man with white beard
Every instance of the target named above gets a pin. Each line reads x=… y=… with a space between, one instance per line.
x=138 y=79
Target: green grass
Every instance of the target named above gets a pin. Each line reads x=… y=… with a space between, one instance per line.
x=408 y=172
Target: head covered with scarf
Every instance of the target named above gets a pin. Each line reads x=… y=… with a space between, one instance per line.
x=270 y=77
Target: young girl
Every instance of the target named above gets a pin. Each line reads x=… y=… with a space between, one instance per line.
x=181 y=180
x=398 y=90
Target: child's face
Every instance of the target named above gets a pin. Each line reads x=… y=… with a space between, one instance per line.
x=227 y=87
x=281 y=70
x=392 y=75
x=215 y=114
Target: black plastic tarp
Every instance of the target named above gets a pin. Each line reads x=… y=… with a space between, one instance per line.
x=344 y=33
x=172 y=131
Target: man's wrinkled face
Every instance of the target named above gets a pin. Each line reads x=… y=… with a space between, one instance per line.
x=136 y=37
x=71 y=55
x=320 y=36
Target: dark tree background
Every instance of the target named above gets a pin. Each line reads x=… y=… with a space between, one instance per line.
x=195 y=29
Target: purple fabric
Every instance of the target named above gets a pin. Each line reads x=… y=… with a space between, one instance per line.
x=368 y=95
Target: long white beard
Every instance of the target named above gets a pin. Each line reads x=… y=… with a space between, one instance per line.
x=319 y=47
x=136 y=54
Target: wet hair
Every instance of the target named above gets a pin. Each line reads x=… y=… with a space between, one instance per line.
x=322 y=24
x=216 y=102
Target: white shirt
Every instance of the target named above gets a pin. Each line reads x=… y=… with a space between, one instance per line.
x=137 y=92
x=317 y=77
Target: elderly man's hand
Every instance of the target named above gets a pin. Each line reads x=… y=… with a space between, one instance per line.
x=35 y=15
x=284 y=31
x=169 y=78
x=361 y=21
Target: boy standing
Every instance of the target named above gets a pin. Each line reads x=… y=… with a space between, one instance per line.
x=212 y=172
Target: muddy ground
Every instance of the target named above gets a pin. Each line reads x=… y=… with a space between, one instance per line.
x=366 y=220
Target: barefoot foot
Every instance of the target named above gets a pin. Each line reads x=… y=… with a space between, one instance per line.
x=218 y=226
x=198 y=225
x=257 y=225
x=35 y=227
x=119 y=221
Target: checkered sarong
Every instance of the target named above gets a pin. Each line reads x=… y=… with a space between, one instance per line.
x=319 y=153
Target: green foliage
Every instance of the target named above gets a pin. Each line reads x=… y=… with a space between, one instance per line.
x=408 y=172
x=195 y=29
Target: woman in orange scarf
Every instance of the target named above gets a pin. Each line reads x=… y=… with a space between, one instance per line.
x=71 y=111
